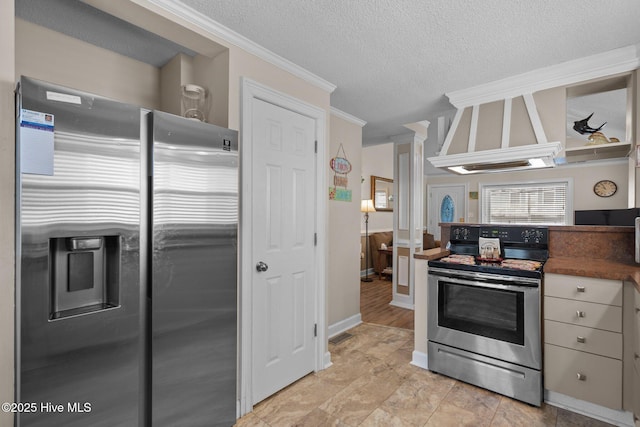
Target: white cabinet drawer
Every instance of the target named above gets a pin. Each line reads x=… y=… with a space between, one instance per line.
x=607 y=317
x=601 y=381
x=589 y=289
x=581 y=338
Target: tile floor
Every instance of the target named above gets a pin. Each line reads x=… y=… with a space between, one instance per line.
x=371 y=383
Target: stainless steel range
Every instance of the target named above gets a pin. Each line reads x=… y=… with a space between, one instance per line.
x=484 y=312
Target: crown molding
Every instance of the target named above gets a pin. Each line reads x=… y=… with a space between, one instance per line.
x=202 y=21
x=615 y=61
x=403 y=138
x=348 y=117
x=420 y=128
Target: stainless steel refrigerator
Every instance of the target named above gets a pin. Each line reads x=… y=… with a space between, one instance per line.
x=126 y=281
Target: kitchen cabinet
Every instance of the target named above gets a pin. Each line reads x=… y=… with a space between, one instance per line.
x=583 y=342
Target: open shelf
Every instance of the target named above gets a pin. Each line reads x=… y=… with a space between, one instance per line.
x=598 y=152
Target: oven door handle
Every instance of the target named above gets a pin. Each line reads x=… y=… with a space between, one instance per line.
x=486 y=280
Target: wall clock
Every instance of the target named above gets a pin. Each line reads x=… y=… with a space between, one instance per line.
x=605 y=188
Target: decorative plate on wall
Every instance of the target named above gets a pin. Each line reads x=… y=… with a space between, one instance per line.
x=447 y=209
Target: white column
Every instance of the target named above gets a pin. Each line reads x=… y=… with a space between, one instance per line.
x=408 y=174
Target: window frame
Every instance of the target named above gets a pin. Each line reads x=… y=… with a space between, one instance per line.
x=568 y=214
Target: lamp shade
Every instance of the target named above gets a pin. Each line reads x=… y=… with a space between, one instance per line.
x=367 y=206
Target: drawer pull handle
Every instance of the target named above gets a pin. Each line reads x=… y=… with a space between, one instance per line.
x=581 y=339
x=636 y=356
x=582 y=377
x=580 y=288
x=580 y=313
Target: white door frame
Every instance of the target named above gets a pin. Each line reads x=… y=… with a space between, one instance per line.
x=251 y=90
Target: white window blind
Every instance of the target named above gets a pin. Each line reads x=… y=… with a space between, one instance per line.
x=529 y=203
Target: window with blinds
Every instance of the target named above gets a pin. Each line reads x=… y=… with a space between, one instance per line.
x=527 y=203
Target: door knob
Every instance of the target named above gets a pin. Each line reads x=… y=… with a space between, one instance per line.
x=262 y=267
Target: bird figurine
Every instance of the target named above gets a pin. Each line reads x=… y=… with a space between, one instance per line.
x=582 y=126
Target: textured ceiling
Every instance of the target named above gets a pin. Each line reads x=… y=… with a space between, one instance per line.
x=392 y=60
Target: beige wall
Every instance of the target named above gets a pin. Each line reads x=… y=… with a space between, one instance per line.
x=377 y=160
x=243 y=64
x=584 y=178
x=551 y=106
x=54 y=57
x=344 y=229
x=7 y=206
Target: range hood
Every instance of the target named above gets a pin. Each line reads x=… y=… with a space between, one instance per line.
x=499 y=136
x=481 y=139
x=531 y=156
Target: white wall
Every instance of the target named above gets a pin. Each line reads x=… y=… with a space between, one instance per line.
x=377 y=160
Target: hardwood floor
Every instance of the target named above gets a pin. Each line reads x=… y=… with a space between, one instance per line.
x=374 y=305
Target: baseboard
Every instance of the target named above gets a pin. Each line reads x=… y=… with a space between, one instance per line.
x=611 y=416
x=344 y=325
x=401 y=304
x=363 y=273
x=327 y=360
x=420 y=359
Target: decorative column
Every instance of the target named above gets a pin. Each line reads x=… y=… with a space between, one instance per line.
x=408 y=171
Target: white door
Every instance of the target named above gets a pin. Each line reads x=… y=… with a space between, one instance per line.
x=283 y=212
x=446 y=203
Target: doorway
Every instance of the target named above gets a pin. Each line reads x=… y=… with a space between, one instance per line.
x=282 y=277
x=446 y=203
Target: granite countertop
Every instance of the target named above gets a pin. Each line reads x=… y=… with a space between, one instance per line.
x=592 y=228
x=431 y=254
x=598 y=268
x=603 y=252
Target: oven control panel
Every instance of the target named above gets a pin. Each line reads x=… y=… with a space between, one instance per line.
x=516 y=234
x=465 y=233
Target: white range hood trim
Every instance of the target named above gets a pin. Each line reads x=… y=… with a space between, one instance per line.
x=546 y=152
